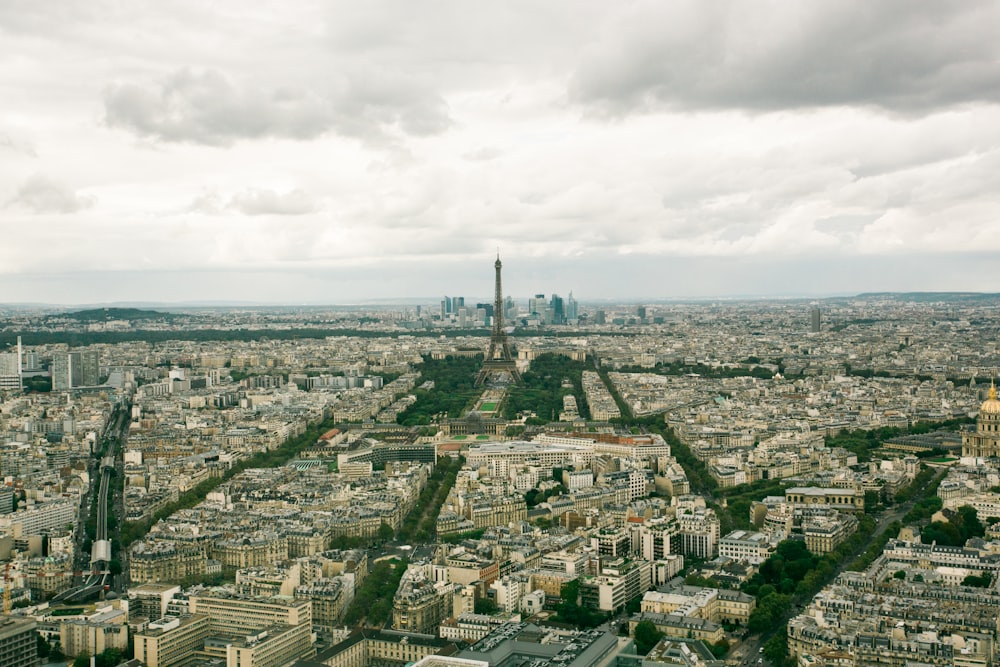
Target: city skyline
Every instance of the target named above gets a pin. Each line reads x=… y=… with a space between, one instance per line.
x=339 y=153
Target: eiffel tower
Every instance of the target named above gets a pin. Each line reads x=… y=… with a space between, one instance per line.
x=498 y=362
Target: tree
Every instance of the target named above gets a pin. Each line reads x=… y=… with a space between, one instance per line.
x=110 y=657
x=385 y=532
x=943 y=533
x=982 y=581
x=871 y=500
x=770 y=610
x=647 y=635
x=486 y=606
x=776 y=649
x=969 y=523
x=720 y=648
x=697 y=580
x=899 y=574
x=570 y=611
x=43 y=647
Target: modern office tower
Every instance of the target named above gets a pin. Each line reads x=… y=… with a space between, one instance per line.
x=18 y=646
x=640 y=312
x=457 y=302
x=509 y=309
x=62 y=371
x=537 y=305
x=76 y=369
x=814 y=319
x=487 y=308
x=90 y=368
x=600 y=317
x=463 y=317
x=572 y=308
x=444 y=307
x=558 y=309
x=10 y=370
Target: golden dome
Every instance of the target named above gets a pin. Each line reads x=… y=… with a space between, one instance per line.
x=991 y=406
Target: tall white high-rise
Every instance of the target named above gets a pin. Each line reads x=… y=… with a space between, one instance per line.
x=62 y=371
x=11 y=373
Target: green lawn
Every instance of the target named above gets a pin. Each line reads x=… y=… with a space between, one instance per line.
x=489 y=406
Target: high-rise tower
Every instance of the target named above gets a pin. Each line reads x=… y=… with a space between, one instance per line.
x=498 y=361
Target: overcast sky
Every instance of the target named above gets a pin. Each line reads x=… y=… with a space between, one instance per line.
x=341 y=151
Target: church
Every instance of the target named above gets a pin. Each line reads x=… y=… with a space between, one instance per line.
x=984 y=442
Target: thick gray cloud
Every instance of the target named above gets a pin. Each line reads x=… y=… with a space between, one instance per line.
x=255 y=201
x=902 y=56
x=208 y=107
x=44 y=195
x=269 y=202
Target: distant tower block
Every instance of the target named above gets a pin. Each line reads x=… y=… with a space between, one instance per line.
x=498 y=362
x=815 y=321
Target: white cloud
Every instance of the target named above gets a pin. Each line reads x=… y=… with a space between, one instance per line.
x=44 y=195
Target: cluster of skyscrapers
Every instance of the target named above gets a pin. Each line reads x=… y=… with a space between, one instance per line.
x=542 y=310
x=554 y=310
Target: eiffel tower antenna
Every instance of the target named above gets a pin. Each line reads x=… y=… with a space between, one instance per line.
x=498 y=361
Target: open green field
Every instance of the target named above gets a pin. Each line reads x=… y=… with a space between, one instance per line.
x=482 y=437
x=488 y=406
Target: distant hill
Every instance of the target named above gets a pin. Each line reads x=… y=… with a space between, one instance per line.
x=108 y=314
x=932 y=296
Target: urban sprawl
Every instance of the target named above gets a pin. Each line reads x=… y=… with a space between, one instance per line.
x=530 y=483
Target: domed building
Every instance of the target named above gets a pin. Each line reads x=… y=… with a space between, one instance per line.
x=985 y=441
